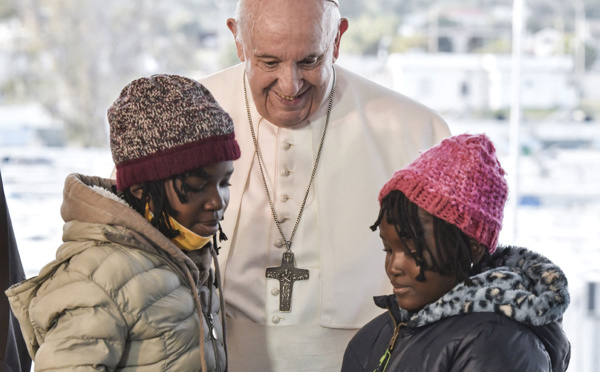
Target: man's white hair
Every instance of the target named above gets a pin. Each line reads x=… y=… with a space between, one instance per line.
x=242 y=15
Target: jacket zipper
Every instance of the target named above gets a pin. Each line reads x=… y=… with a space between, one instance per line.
x=213 y=337
x=211 y=329
x=180 y=272
x=385 y=358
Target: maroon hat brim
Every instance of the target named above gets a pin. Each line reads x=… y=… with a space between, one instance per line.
x=177 y=160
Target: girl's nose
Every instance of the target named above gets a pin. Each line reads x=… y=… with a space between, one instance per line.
x=395 y=263
x=216 y=200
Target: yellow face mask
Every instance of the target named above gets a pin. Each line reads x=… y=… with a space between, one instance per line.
x=187 y=240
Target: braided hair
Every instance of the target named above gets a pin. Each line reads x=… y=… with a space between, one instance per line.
x=452 y=255
x=155 y=191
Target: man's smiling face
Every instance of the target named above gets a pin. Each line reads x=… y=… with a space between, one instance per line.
x=288 y=54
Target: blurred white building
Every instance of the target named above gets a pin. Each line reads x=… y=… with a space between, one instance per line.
x=451 y=82
x=29 y=124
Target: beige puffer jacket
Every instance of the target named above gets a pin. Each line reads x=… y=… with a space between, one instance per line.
x=120 y=295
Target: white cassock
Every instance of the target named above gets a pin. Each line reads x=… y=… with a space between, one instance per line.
x=372 y=132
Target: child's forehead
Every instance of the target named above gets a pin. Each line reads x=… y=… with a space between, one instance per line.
x=402 y=230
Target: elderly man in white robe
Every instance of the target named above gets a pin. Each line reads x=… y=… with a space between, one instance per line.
x=318 y=142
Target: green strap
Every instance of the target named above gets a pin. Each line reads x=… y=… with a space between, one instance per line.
x=383 y=362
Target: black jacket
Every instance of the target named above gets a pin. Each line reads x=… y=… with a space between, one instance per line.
x=506 y=318
x=13 y=352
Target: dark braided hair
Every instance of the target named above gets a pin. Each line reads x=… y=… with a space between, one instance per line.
x=155 y=191
x=452 y=254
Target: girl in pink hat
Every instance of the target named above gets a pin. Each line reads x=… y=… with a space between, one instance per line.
x=459 y=302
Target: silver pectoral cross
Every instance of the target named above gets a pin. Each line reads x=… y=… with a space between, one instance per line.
x=287 y=274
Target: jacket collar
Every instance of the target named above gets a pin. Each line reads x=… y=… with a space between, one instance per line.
x=517 y=283
x=91 y=200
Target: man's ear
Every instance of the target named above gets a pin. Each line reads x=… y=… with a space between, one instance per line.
x=137 y=191
x=232 y=25
x=336 y=46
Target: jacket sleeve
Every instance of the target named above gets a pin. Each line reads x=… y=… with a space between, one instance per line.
x=368 y=345
x=81 y=327
x=501 y=347
x=351 y=362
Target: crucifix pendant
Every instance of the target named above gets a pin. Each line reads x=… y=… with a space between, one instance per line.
x=287 y=274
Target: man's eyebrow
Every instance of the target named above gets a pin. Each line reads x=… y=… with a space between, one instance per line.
x=314 y=55
x=310 y=56
x=265 y=56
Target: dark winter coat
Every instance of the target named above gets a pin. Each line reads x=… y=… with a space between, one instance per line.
x=13 y=351
x=508 y=318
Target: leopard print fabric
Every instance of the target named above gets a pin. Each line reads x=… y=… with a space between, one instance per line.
x=520 y=284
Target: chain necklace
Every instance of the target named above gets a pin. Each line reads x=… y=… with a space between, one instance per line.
x=287 y=273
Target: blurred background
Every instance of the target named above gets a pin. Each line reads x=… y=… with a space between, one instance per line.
x=524 y=72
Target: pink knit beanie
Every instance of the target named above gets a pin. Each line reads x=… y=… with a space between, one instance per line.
x=460 y=181
x=166 y=125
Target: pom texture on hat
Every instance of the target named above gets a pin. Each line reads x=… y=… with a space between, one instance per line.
x=166 y=125
x=460 y=181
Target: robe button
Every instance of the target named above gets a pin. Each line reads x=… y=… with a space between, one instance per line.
x=275 y=291
x=279 y=243
x=275 y=319
x=285 y=172
x=286 y=145
x=284 y=197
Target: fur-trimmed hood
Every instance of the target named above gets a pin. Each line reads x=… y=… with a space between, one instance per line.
x=505 y=317
x=517 y=283
x=125 y=284
x=92 y=200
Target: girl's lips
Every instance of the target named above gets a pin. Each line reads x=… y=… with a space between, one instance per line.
x=400 y=289
x=209 y=228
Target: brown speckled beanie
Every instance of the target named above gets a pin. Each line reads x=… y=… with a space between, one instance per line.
x=166 y=125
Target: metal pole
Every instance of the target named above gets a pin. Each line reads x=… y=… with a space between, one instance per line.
x=515 y=119
x=594 y=315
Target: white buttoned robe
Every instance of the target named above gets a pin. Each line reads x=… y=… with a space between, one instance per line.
x=372 y=132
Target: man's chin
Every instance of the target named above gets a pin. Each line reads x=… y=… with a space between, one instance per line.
x=288 y=121
x=286 y=114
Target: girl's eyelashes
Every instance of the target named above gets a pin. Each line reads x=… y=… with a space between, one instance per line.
x=186 y=187
x=196 y=189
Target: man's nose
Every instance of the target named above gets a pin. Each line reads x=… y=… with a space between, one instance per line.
x=290 y=80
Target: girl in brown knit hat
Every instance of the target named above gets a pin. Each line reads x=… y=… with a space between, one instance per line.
x=132 y=286
x=459 y=302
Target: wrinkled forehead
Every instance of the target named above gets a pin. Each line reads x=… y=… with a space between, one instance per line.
x=312 y=18
x=280 y=6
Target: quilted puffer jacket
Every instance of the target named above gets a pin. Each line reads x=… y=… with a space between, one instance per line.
x=120 y=296
x=506 y=318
